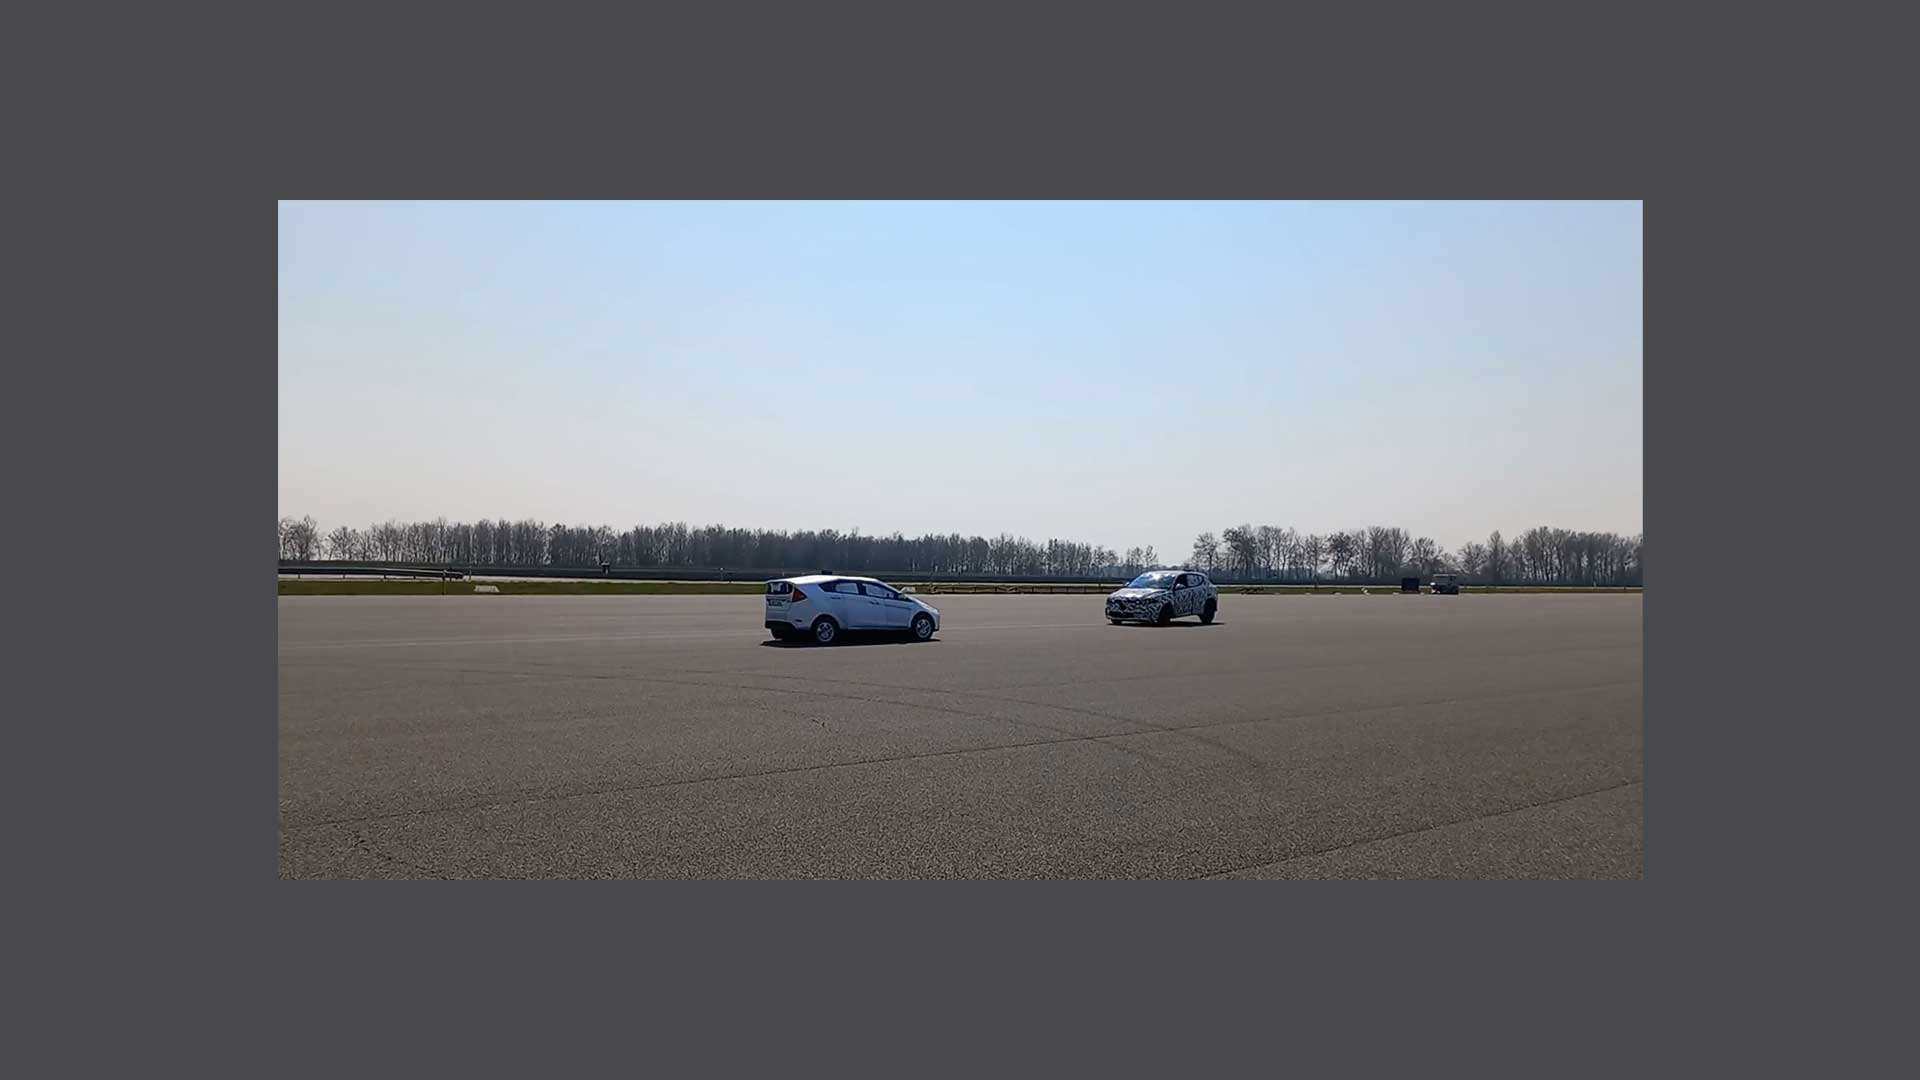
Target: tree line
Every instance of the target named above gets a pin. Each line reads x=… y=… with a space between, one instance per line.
x=532 y=543
x=1539 y=556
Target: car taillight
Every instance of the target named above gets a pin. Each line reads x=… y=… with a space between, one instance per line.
x=798 y=595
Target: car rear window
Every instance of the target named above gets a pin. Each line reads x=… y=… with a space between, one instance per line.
x=779 y=588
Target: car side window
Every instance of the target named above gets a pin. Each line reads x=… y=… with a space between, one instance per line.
x=844 y=587
x=1183 y=581
x=875 y=589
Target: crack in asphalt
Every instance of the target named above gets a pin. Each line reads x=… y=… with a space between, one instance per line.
x=1186 y=731
x=361 y=840
x=783 y=690
x=492 y=802
x=1150 y=725
x=1188 y=673
x=1415 y=832
x=1218 y=672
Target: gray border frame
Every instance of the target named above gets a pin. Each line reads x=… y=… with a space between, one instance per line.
x=175 y=818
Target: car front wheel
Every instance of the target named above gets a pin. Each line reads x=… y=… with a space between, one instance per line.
x=1206 y=613
x=1166 y=614
x=922 y=627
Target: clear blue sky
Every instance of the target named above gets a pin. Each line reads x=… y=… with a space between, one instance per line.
x=1120 y=373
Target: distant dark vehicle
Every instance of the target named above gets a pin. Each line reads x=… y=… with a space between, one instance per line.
x=1409 y=584
x=1446 y=584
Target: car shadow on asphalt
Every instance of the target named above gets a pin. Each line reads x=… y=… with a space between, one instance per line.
x=1169 y=626
x=852 y=638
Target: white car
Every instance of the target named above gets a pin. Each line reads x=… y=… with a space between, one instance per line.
x=1160 y=596
x=821 y=606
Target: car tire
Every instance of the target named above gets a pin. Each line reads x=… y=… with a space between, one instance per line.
x=923 y=628
x=1116 y=622
x=825 y=631
x=1207 y=613
x=1165 y=616
x=779 y=632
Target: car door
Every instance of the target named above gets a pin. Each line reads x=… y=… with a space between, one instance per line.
x=854 y=610
x=779 y=600
x=1185 y=592
x=894 y=613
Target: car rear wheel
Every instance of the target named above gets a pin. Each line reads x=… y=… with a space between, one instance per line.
x=779 y=633
x=922 y=627
x=825 y=630
x=1206 y=613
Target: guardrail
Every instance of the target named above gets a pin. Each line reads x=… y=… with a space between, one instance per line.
x=373 y=570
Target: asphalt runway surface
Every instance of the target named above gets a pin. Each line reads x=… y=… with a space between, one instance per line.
x=666 y=737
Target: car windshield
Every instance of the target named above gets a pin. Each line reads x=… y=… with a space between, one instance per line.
x=1160 y=580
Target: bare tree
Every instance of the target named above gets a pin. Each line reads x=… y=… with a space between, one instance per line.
x=1384 y=551
x=1341 y=552
x=1394 y=551
x=299 y=539
x=1426 y=555
x=1242 y=548
x=1473 y=560
x=343 y=543
x=1206 y=552
x=1313 y=550
x=1287 y=553
x=1269 y=541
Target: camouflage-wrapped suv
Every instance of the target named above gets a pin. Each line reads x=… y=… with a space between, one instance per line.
x=1160 y=596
